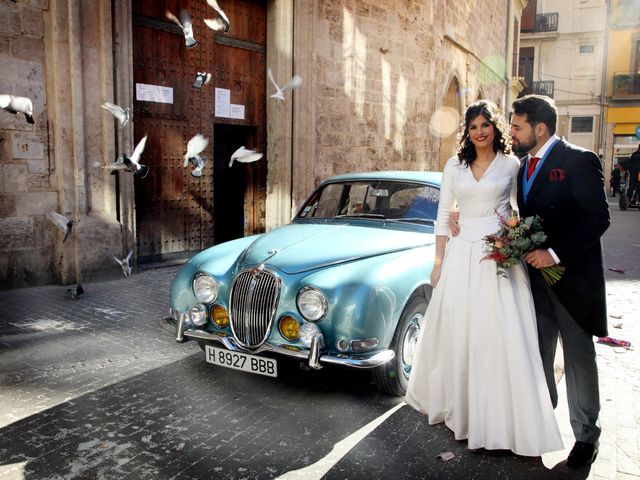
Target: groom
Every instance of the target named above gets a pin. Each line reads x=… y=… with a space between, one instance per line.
x=564 y=185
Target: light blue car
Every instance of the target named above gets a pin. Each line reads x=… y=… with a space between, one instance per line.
x=345 y=283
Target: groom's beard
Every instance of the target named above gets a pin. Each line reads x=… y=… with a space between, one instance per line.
x=521 y=148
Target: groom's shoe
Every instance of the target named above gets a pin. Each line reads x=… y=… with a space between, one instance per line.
x=582 y=454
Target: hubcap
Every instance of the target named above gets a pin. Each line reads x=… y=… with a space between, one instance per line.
x=410 y=343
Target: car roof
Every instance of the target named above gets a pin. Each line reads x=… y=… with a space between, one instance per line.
x=433 y=178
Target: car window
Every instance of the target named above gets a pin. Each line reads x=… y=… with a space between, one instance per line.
x=384 y=200
x=325 y=203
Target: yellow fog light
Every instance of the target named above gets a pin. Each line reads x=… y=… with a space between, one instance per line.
x=289 y=327
x=219 y=316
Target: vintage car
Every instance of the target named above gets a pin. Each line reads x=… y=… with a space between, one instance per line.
x=345 y=283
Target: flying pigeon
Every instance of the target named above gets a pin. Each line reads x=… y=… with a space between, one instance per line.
x=202 y=79
x=131 y=163
x=245 y=156
x=221 y=23
x=194 y=148
x=75 y=291
x=124 y=263
x=62 y=222
x=122 y=114
x=185 y=24
x=295 y=82
x=18 y=105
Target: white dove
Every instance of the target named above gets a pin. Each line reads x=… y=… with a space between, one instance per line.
x=217 y=24
x=132 y=163
x=194 y=148
x=122 y=114
x=18 y=105
x=62 y=222
x=295 y=82
x=124 y=263
x=201 y=79
x=245 y=156
x=185 y=24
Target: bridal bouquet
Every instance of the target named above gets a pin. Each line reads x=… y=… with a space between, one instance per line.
x=513 y=240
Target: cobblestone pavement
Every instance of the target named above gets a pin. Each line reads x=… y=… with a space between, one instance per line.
x=97 y=388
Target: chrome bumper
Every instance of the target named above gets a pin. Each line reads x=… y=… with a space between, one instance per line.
x=314 y=357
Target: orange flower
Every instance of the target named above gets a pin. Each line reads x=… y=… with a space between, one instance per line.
x=512 y=222
x=498 y=244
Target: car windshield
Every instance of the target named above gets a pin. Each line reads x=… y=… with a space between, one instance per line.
x=376 y=199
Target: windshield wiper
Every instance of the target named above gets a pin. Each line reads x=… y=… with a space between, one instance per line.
x=413 y=219
x=360 y=215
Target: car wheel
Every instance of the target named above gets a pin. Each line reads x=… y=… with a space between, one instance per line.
x=623 y=202
x=393 y=377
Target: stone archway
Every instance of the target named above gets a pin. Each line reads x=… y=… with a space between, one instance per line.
x=448 y=143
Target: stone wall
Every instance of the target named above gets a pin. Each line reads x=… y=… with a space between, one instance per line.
x=26 y=194
x=379 y=71
x=59 y=54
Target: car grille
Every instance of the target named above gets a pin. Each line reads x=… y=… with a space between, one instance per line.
x=254 y=298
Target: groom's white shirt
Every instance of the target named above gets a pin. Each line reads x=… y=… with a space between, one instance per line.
x=540 y=153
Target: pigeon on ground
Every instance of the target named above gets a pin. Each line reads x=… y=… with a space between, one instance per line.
x=194 y=148
x=295 y=82
x=63 y=223
x=201 y=79
x=18 y=105
x=185 y=24
x=245 y=156
x=122 y=114
x=221 y=23
x=131 y=163
x=124 y=263
x=75 y=291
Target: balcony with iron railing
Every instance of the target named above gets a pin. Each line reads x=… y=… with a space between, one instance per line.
x=539 y=87
x=625 y=85
x=545 y=22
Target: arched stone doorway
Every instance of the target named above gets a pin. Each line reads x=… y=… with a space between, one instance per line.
x=448 y=143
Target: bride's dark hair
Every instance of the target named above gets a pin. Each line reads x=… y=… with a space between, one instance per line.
x=489 y=110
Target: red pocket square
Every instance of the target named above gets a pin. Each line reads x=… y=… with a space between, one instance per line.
x=556 y=175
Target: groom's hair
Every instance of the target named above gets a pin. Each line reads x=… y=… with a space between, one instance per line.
x=538 y=109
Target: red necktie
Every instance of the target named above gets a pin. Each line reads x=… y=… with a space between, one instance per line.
x=533 y=161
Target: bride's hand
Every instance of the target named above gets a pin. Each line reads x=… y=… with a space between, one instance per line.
x=435 y=275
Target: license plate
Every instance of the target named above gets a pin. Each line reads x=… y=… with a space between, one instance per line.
x=241 y=361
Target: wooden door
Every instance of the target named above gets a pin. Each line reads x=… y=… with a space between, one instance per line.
x=174 y=210
x=528 y=19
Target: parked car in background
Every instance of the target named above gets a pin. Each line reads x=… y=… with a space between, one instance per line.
x=345 y=283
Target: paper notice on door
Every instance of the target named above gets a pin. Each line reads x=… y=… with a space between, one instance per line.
x=154 y=93
x=237 y=111
x=223 y=102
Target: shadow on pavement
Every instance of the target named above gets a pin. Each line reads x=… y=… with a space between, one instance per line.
x=189 y=419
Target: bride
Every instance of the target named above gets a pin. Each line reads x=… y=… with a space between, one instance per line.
x=477 y=366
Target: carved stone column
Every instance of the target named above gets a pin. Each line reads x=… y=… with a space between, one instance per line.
x=79 y=73
x=280 y=36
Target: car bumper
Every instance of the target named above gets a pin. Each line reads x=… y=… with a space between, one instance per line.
x=314 y=358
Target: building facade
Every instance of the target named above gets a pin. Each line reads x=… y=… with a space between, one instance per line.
x=622 y=129
x=562 y=54
x=384 y=86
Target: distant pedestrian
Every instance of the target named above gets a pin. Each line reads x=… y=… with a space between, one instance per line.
x=615 y=180
x=634 y=170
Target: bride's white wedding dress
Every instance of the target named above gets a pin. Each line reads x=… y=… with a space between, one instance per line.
x=477 y=366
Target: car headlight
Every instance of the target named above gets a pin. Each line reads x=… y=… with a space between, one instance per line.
x=198 y=315
x=307 y=332
x=311 y=303
x=205 y=288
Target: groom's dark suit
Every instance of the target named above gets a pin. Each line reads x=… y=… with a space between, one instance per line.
x=568 y=194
